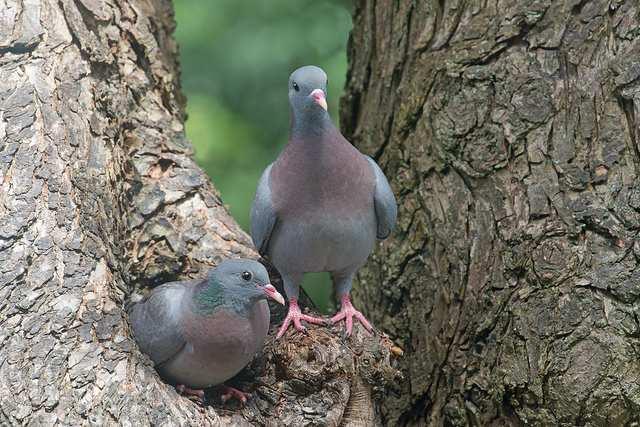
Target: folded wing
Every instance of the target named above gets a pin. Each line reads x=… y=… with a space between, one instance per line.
x=384 y=202
x=156 y=321
x=263 y=215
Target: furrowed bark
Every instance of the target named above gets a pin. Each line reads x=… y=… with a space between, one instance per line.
x=99 y=195
x=509 y=131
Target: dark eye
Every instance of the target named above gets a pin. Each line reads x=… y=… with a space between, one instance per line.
x=246 y=276
x=296 y=87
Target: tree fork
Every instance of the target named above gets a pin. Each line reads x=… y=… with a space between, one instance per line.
x=100 y=194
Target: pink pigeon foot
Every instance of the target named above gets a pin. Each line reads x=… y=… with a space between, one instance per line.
x=196 y=394
x=230 y=392
x=295 y=315
x=348 y=312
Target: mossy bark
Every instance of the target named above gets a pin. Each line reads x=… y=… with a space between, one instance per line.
x=510 y=135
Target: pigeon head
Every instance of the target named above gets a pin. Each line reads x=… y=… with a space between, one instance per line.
x=239 y=284
x=307 y=92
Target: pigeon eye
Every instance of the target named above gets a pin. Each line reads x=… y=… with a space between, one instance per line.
x=246 y=276
x=296 y=87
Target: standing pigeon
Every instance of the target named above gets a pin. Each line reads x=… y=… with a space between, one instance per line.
x=200 y=333
x=320 y=206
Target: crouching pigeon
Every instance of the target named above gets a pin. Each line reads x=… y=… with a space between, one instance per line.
x=200 y=333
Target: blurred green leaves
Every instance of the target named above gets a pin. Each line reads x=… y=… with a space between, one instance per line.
x=227 y=146
x=236 y=57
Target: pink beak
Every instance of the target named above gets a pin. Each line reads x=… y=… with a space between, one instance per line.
x=319 y=98
x=273 y=294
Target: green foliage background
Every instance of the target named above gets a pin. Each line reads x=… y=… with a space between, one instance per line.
x=236 y=57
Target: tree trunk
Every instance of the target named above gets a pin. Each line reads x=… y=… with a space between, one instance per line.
x=99 y=195
x=509 y=132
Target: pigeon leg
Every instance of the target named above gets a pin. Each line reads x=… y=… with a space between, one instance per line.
x=295 y=316
x=342 y=283
x=230 y=392
x=190 y=392
x=347 y=313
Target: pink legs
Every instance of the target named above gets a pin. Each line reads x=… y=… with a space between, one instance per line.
x=295 y=315
x=227 y=393
x=348 y=312
x=230 y=392
x=197 y=394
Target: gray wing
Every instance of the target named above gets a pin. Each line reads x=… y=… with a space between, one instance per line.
x=263 y=215
x=384 y=202
x=156 y=321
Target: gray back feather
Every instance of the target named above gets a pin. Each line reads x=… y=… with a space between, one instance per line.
x=156 y=321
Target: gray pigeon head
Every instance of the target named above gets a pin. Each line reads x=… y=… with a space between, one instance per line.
x=308 y=89
x=243 y=280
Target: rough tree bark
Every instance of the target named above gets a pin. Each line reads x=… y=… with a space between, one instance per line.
x=509 y=130
x=98 y=195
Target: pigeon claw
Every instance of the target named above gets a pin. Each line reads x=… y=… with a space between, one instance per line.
x=230 y=393
x=347 y=313
x=190 y=393
x=295 y=316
